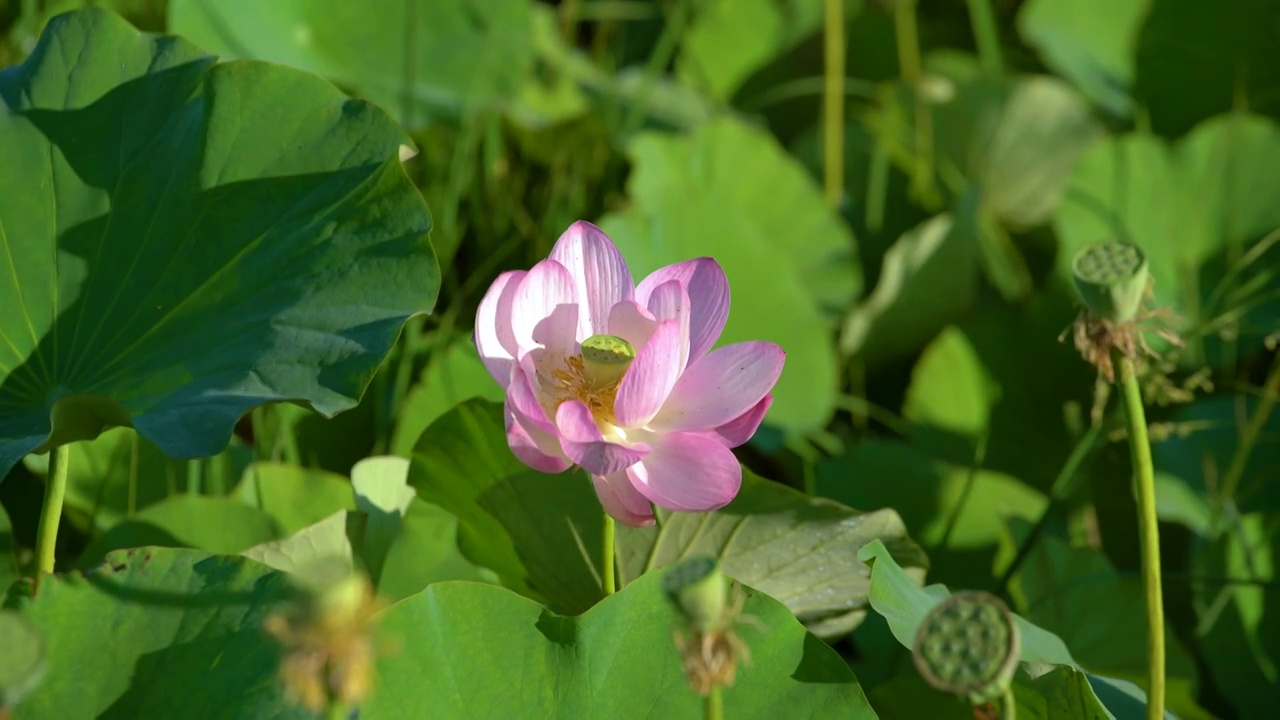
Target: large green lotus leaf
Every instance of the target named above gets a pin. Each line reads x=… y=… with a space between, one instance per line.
x=420 y=60
x=1076 y=594
x=211 y=524
x=1089 y=42
x=482 y=651
x=453 y=374
x=929 y=279
x=955 y=513
x=540 y=533
x=1236 y=623
x=292 y=496
x=728 y=191
x=970 y=389
x=119 y=472
x=798 y=549
x=158 y=633
x=1196 y=203
x=8 y=556
x=904 y=604
x=185 y=240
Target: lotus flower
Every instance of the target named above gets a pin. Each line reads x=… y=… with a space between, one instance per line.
x=621 y=379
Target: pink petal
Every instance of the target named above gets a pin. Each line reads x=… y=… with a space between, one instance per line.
x=533 y=447
x=582 y=442
x=721 y=386
x=621 y=500
x=600 y=275
x=708 y=290
x=669 y=301
x=523 y=399
x=650 y=378
x=493 y=337
x=545 y=287
x=632 y=323
x=740 y=429
x=690 y=472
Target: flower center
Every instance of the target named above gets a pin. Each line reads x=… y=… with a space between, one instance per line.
x=593 y=376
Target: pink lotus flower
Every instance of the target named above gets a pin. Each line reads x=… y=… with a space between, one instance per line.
x=621 y=379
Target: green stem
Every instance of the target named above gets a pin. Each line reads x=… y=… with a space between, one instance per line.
x=985 y=35
x=713 y=704
x=1009 y=705
x=833 y=103
x=1149 y=532
x=51 y=513
x=338 y=710
x=1249 y=437
x=609 y=580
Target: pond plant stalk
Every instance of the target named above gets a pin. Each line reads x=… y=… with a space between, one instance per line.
x=608 y=578
x=1112 y=279
x=51 y=511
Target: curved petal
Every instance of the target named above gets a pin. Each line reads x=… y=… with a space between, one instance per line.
x=720 y=386
x=532 y=446
x=600 y=275
x=690 y=472
x=708 y=289
x=547 y=286
x=740 y=429
x=670 y=301
x=621 y=500
x=493 y=337
x=582 y=442
x=632 y=323
x=523 y=398
x=649 y=380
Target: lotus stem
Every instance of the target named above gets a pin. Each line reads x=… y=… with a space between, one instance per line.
x=833 y=103
x=608 y=577
x=51 y=512
x=1148 y=531
x=983 y=21
x=713 y=704
x=1008 y=705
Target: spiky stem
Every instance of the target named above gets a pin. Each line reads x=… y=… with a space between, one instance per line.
x=1148 y=531
x=51 y=512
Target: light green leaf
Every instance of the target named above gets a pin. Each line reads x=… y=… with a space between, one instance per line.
x=728 y=40
x=1090 y=42
x=119 y=472
x=929 y=278
x=303 y=245
x=216 y=525
x=798 y=549
x=185 y=639
x=383 y=495
x=454 y=374
x=324 y=541
x=730 y=192
x=425 y=551
x=904 y=604
x=616 y=661
x=23 y=662
x=294 y=497
x=419 y=61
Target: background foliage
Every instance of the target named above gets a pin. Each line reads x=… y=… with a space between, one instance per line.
x=927 y=401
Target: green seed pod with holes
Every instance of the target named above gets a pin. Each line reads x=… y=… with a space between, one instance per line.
x=968 y=645
x=1111 y=278
x=22 y=663
x=699 y=590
